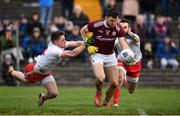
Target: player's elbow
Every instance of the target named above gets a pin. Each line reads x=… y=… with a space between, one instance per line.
x=137 y=40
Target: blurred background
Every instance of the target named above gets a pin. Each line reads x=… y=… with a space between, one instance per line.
x=25 y=27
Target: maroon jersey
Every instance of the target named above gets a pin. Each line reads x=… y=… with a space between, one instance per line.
x=105 y=36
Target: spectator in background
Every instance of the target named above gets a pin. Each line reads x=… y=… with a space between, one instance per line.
x=148 y=54
x=8 y=40
x=69 y=26
x=67 y=7
x=111 y=4
x=34 y=45
x=166 y=51
x=60 y=23
x=52 y=28
x=23 y=29
x=160 y=29
x=8 y=44
x=178 y=7
x=5 y=22
x=7 y=61
x=34 y=22
x=130 y=9
x=78 y=17
x=75 y=36
x=46 y=9
x=148 y=8
x=165 y=8
x=140 y=28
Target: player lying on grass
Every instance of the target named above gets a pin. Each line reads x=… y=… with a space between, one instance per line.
x=45 y=63
x=128 y=71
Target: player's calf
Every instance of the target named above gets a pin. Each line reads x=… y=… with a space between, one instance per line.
x=17 y=75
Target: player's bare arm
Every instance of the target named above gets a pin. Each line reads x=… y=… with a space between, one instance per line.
x=135 y=37
x=74 y=43
x=74 y=52
x=123 y=43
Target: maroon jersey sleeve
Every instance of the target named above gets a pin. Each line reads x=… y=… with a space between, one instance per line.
x=90 y=27
x=120 y=31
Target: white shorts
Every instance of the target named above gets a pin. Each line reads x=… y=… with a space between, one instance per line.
x=47 y=79
x=106 y=60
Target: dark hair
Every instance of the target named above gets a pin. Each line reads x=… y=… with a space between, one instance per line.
x=125 y=21
x=55 y=35
x=111 y=12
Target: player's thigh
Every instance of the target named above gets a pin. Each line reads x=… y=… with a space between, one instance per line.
x=112 y=73
x=50 y=84
x=98 y=70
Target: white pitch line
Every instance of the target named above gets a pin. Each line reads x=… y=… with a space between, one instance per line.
x=141 y=112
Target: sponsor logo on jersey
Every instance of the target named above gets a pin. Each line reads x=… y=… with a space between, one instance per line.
x=113 y=33
x=107 y=32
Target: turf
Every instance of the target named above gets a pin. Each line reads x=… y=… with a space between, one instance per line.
x=79 y=101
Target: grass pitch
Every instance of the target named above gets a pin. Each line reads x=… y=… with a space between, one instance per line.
x=79 y=101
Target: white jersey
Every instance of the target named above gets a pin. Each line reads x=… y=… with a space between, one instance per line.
x=135 y=47
x=46 y=62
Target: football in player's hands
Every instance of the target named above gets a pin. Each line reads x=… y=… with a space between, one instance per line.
x=126 y=56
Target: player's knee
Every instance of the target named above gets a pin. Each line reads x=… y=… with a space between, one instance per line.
x=120 y=81
x=99 y=82
x=54 y=94
x=100 y=79
x=114 y=84
x=131 y=91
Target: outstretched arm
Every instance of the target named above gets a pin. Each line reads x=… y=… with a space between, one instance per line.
x=73 y=43
x=74 y=52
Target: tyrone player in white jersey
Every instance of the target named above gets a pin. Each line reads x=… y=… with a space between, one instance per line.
x=45 y=63
x=128 y=73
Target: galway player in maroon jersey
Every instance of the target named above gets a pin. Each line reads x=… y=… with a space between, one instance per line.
x=103 y=59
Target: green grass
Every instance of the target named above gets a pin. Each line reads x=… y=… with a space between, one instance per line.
x=79 y=100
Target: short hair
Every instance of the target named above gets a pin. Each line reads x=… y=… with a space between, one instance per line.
x=55 y=35
x=125 y=21
x=111 y=12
